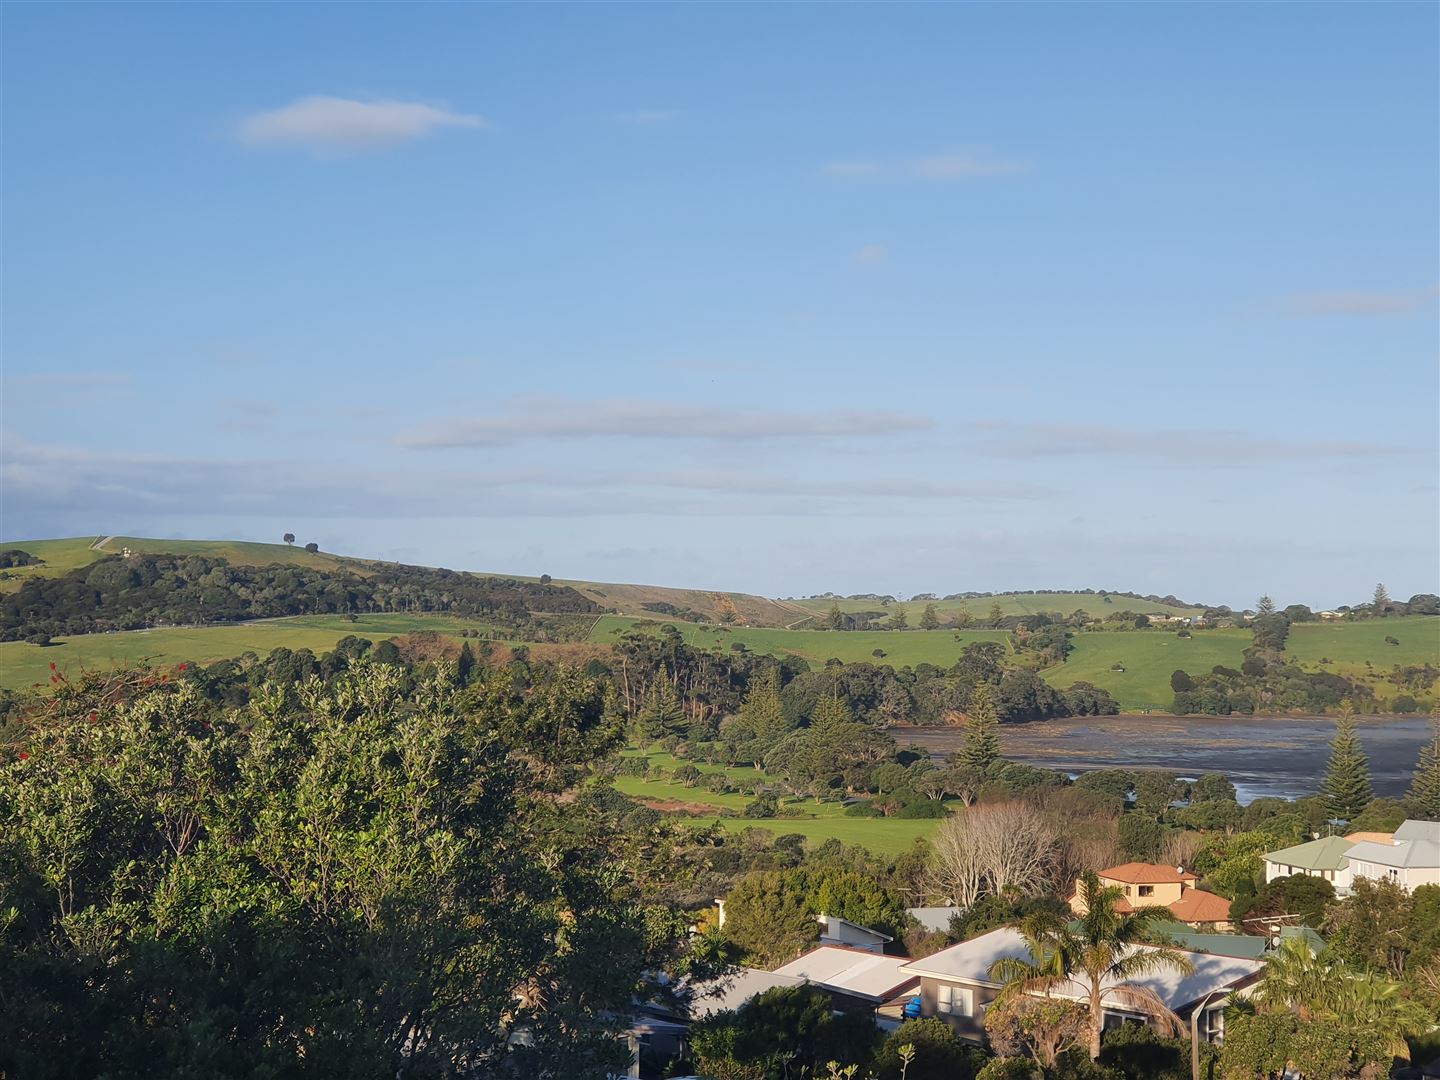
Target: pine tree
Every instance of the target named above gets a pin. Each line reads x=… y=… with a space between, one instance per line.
x=1425 y=788
x=762 y=711
x=836 y=618
x=929 y=619
x=661 y=714
x=1346 y=789
x=1264 y=606
x=899 y=620
x=997 y=615
x=1381 y=601
x=830 y=714
x=982 y=731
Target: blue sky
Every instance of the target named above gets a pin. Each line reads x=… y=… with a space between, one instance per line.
x=775 y=298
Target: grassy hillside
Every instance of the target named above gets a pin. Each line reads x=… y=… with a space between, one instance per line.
x=22 y=664
x=907 y=649
x=1010 y=604
x=1347 y=646
x=749 y=610
x=63 y=555
x=1149 y=657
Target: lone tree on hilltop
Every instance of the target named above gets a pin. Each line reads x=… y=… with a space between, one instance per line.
x=982 y=731
x=1425 y=788
x=1381 y=602
x=1264 y=606
x=290 y=538
x=1346 y=788
x=312 y=547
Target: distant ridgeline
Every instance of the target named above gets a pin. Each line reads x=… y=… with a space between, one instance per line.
x=140 y=591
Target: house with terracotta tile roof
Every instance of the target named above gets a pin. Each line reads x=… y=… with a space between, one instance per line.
x=1150 y=885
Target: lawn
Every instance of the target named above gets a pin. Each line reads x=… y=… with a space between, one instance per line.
x=1149 y=658
x=1010 y=604
x=906 y=649
x=1346 y=647
x=22 y=664
x=822 y=820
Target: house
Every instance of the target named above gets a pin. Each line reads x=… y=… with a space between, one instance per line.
x=837 y=931
x=1149 y=885
x=854 y=978
x=1411 y=857
x=730 y=991
x=955 y=984
x=1323 y=858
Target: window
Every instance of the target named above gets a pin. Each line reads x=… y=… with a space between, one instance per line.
x=1127 y=890
x=1147 y=890
x=954 y=1000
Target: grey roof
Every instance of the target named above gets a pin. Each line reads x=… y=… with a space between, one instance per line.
x=1417 y=843
x=827 y=920
x=934 y=918
x=970 y=962
x=851 y=971
x=735 y=989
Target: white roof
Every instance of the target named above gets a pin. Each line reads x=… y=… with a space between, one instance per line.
x=735 y=989
x=1417 y=843
x=851 y=971
x=970 y=962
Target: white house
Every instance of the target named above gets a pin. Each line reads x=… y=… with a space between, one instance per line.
x=1410 y=859
x=1324 y=858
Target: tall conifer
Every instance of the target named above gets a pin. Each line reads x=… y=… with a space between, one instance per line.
x=1425 y=788
x=982 y=731
x=1346 y=788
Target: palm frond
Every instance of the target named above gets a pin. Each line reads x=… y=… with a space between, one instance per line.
x=1142 y=999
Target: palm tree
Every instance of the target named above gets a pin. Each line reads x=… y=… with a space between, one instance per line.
x=1320 y=988
x=1101 y=955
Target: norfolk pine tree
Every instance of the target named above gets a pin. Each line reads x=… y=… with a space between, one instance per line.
x=982 y=732
x=929 y=620
x=1346 y=789
x=1425 y=788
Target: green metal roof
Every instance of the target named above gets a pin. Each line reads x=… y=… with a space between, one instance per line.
x=1327 y=853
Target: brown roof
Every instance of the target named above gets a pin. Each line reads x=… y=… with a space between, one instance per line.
x=1201 y=907
x=1142 y=873
x=1373 y=837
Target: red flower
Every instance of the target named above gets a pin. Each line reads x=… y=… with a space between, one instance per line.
x=184 y=666
x=94 y=716
x=24 y=756
x=52 y=665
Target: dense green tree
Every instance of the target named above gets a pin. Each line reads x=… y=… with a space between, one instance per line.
x=1380 y=600
x=662 y=713
x=369 y=878
x=898 y=619
x=1181 y=682
x=1140 y=837
x=1212 y=787
x=770 y=917
x=1264 y=606
x=1425 y=787
x=997 y=615
x=1346 y=787
x=836 y=619
x=938 y=1053
x=289 y=538
x=929 y=619
x=1298 y=894
x=981 y=747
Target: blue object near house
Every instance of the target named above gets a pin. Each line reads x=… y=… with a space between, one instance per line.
x=912 y=1008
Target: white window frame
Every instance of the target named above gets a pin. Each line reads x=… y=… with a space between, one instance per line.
x=953 y=1000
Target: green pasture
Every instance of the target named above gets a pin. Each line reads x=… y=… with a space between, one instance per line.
x=61 y=556
x=1010 y=604
x=902 y=649
x=1346 y=647
x=1149 y=657
x=818 y=821
x=22 y=664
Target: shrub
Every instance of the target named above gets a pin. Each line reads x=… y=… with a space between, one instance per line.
x=686 y=774
x=939 y=1053
x=764 y=805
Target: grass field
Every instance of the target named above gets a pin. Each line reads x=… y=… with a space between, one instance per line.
x=821 y=821
x=1149 y=658
x=22 y=664
x=1011 y=604
x=906 y=649
x=63 y=555
x=1346 y=646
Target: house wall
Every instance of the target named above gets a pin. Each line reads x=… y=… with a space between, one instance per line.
x=836 y=933
x=1408 y=878
x=1339 y=878
x=971 y=1028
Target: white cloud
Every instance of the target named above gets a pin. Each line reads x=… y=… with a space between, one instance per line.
x=654 y=420
x=332 y=124
x=1358 y=302
x=870 y=255
x=962 y=165
x=648 y=117
x=1178 y=447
